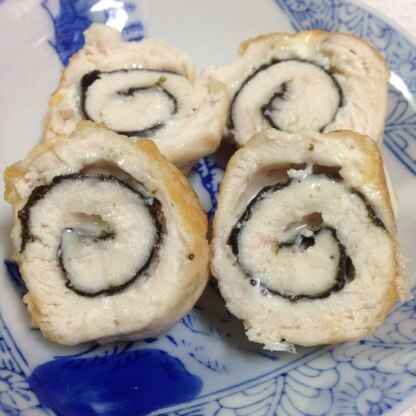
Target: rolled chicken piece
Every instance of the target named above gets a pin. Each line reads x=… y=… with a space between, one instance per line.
x=140 y=89
x=109 y=237
x=312 y=80
x=304 y=239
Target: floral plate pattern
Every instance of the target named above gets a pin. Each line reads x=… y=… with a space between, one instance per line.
x=204 y=365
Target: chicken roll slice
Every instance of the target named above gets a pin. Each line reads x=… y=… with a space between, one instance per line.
x=312 y=80
x=304 y=240
x=140 y=89
x=109 y=237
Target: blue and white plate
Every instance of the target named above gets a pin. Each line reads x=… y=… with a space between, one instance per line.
x=204 y=365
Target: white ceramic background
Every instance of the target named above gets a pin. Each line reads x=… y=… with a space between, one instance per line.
x=374 y=377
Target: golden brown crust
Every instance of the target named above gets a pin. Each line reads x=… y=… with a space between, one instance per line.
x=16 y=172
x=373 y=169
x=315 y=36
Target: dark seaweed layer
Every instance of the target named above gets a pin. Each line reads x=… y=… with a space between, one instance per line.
x=89 y=79
x=153 y=205
x=265 y=109
x=371 y=211
x=281 y=93
x=345 y=269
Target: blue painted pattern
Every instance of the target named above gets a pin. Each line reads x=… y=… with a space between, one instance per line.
x=72 y=17
x=366 y=378
x=69 y=26
x=400 y=130
x=124 y=383
x=16 y=396
x=210 y=174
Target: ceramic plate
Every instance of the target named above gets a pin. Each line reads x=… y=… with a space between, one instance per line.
x=204 y=365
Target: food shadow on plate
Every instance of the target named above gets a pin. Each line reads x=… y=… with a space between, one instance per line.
x=15 y=277
x=211 y=318
x=5 y=230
